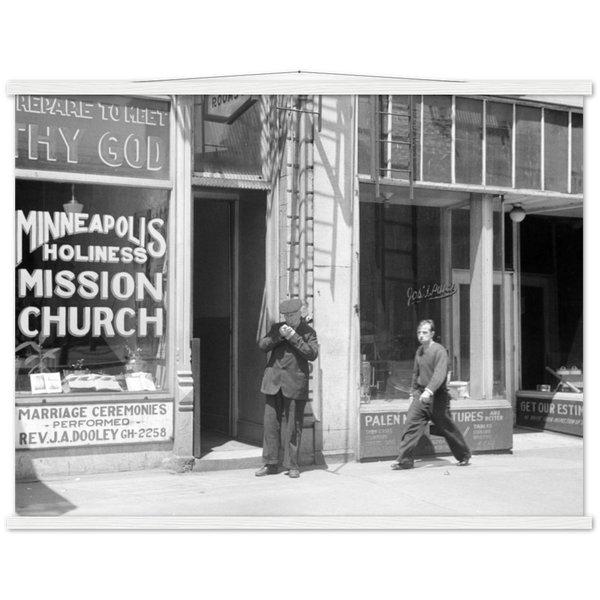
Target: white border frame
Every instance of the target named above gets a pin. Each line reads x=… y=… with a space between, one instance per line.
x=289 y=83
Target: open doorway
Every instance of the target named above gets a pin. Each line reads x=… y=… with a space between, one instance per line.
x=229 y=280
x=213 y=307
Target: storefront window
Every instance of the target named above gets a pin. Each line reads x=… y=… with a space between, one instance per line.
x=447 y=142
x=576 y=153
x=437 y=138
x=91 y=288
x=499 y=118
x=400 y=284
x=461 y=244
x=398 y=134
x=551 y=298
x=528 y=160
x=227 y=135
x=556 y=150
x=469 y=140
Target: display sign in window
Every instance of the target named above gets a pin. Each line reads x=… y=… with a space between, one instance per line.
x=91 y=288
x=103 y=135
x=101 y=424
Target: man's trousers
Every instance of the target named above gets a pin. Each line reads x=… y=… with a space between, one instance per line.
x=436 y=409
x=283 y=428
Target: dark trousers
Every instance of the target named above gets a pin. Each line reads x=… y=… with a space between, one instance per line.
x=436 y=409
x=283 y=427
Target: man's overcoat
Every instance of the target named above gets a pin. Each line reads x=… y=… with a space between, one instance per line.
x=287 y=368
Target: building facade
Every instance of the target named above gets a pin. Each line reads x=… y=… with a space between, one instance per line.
x=156 y=236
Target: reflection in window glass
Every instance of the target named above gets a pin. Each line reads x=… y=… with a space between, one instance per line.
x=399 y=281
x=552 y=298
x=556 y=150
x=461 y=237
x=437 y=138
x=528 y=160
x=499 y=381
x=228 y=148
x=461 y=246
x=576 y=153
x=396 y=136
x=91 y=287
x=462 y=362
x=498 y=128
x=469 y=140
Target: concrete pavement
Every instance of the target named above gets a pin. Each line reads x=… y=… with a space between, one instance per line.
x=542 y=477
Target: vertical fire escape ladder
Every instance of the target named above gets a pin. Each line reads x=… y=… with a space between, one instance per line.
x=299 y=276
x=382 y=161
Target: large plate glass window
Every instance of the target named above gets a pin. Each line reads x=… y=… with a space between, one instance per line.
x=90 y=288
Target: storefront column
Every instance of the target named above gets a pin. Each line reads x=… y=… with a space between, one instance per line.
x=481 y=302
x=181 y=282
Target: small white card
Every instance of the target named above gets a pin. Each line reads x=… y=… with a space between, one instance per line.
x=45 y=383
x=137 y=382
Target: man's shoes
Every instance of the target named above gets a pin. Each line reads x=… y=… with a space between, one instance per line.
x=293 y=474
x=267 y=470
x=403 y=466
x=465 y=461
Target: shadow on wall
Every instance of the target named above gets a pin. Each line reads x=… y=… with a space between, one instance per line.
x=335 y=140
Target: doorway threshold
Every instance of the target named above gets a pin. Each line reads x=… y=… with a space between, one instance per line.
x=220 y=452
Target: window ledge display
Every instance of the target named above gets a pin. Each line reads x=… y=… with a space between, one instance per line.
x=91 y=397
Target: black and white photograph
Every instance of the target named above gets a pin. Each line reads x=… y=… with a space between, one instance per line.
x=325 y=287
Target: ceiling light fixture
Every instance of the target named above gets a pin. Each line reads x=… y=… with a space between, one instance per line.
x=517 y=214
x=73 y=206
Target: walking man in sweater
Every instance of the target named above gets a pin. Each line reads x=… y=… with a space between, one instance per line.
x=430 y=401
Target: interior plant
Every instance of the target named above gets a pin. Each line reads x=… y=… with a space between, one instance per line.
x=135 y=362
x=77 y=366
x=38 y=358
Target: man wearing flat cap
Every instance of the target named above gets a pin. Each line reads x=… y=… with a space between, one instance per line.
x=292 y=343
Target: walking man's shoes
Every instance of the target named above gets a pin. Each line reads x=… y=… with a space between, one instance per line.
x=403 y=466
x=465 y=461
x=293 y=474
x=267 y=470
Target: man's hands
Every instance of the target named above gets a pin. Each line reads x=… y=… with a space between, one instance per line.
x=286 y=331
x=425 y=395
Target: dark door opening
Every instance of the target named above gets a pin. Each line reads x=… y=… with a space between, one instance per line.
x=228 y=288
x=212 y=310
x=533 y=337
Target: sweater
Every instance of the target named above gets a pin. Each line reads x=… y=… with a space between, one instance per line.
x=430 y=369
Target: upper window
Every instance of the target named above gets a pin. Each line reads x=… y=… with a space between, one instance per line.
x=498 y=143
x=556 y=150
x=469 y=140
x=463 y=140
x=227 y=135
x=528 y=160
x=96 y=135
x=437 y=138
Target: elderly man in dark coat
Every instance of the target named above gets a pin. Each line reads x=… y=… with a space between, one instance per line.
x=292 y=343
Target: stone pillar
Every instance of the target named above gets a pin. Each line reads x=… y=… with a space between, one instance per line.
x=481 y=304
x=180 y=285
x=335 y=318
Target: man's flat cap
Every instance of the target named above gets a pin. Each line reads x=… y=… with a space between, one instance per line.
x=290 y=306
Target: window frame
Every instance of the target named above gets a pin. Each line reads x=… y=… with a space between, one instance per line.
x=83 y=177
x=418 y=180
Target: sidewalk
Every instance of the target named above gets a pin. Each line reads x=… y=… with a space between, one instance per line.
x=542 y=477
